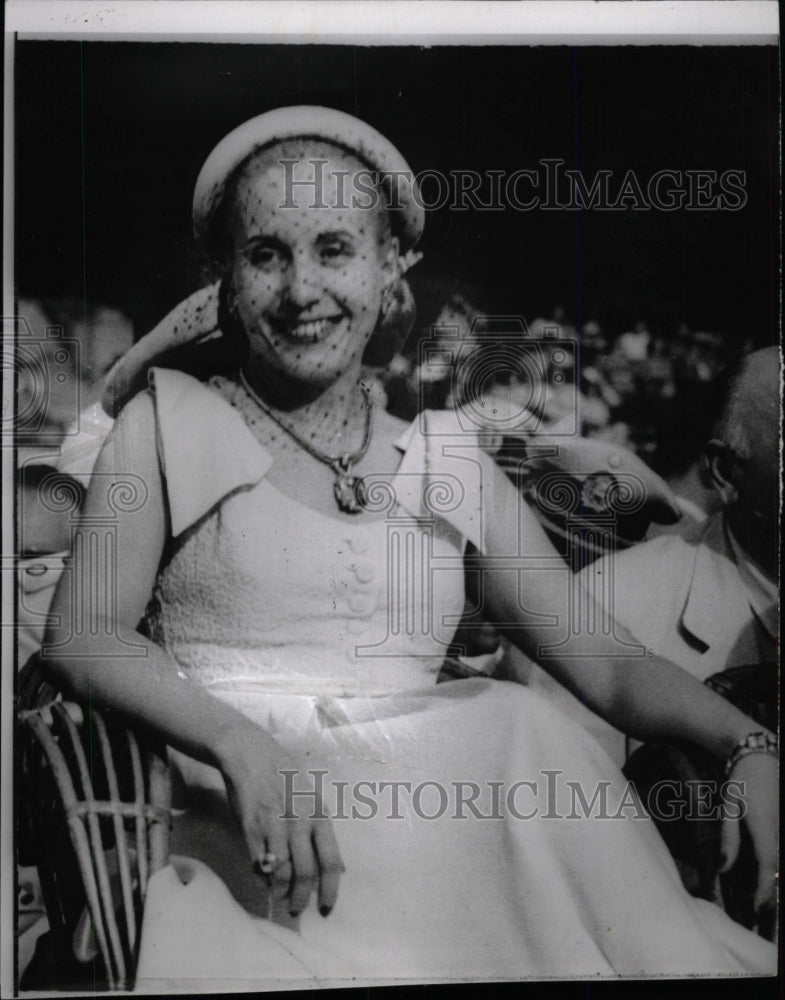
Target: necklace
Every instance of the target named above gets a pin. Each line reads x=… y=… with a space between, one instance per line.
x=349 y=491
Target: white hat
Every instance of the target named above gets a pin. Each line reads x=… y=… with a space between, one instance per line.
x=308 y=121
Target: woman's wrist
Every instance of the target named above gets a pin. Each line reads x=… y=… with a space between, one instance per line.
x=724 y=726
x=754 y=742
x=234 y=738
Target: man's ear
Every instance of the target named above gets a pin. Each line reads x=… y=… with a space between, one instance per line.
x=718 y=463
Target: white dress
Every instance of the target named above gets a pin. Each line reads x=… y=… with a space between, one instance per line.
x=330 y=634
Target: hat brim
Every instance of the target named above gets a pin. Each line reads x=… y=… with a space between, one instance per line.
x=307 y=121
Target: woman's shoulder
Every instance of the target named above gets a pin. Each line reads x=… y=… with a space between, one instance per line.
x=449 y=422
x=433 y=430
x=132 y=437
x=198 y=413
x=167 y=389
x=140 y=409
x=394 y=437
x=443 y=472
x=205 y=449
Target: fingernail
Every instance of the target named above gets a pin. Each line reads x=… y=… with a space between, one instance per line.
x=325 y=910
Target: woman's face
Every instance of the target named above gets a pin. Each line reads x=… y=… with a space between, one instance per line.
x=308 y=268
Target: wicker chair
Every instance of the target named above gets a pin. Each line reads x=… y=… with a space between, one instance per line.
x=94 y=817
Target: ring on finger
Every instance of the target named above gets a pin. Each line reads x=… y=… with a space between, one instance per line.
x=266 y=864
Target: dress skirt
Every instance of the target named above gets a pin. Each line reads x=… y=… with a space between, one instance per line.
x=485 y=837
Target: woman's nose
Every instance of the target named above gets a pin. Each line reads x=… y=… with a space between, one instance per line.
x=302 y=283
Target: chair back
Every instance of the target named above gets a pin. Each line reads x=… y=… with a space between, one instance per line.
x=94 y=817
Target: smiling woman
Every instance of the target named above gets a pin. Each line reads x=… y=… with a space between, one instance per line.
x=302 y=275
x=294 y=625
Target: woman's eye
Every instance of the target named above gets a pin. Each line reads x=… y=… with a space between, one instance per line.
x=335 y=250
x=263 y=256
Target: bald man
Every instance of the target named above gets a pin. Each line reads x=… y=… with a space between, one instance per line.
x=706 y=600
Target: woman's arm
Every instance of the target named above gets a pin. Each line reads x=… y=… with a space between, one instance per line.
x=107 y=662
x=647 y=697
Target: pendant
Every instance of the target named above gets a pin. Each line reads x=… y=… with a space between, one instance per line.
x=349 y=493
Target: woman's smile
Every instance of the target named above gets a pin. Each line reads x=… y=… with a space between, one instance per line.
x=311 y=331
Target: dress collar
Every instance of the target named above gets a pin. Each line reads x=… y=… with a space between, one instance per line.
x=719 y=600
x=762 y=591
x=207 y=451
x=444 y=473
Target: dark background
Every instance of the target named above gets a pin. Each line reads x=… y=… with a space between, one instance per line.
x=111 y=136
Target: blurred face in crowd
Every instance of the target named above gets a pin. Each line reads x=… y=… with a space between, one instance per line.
x=105 y=339
x=48 y=381
x=48 y=504
x=65 y=361
x=307 y=273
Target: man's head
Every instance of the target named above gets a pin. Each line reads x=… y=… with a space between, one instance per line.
x=743 y=454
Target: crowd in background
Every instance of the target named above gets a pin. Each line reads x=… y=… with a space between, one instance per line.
x=631 y=386
x=641 y=390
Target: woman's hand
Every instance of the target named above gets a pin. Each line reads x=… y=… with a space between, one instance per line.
x=757 y=774
x=299 y=835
